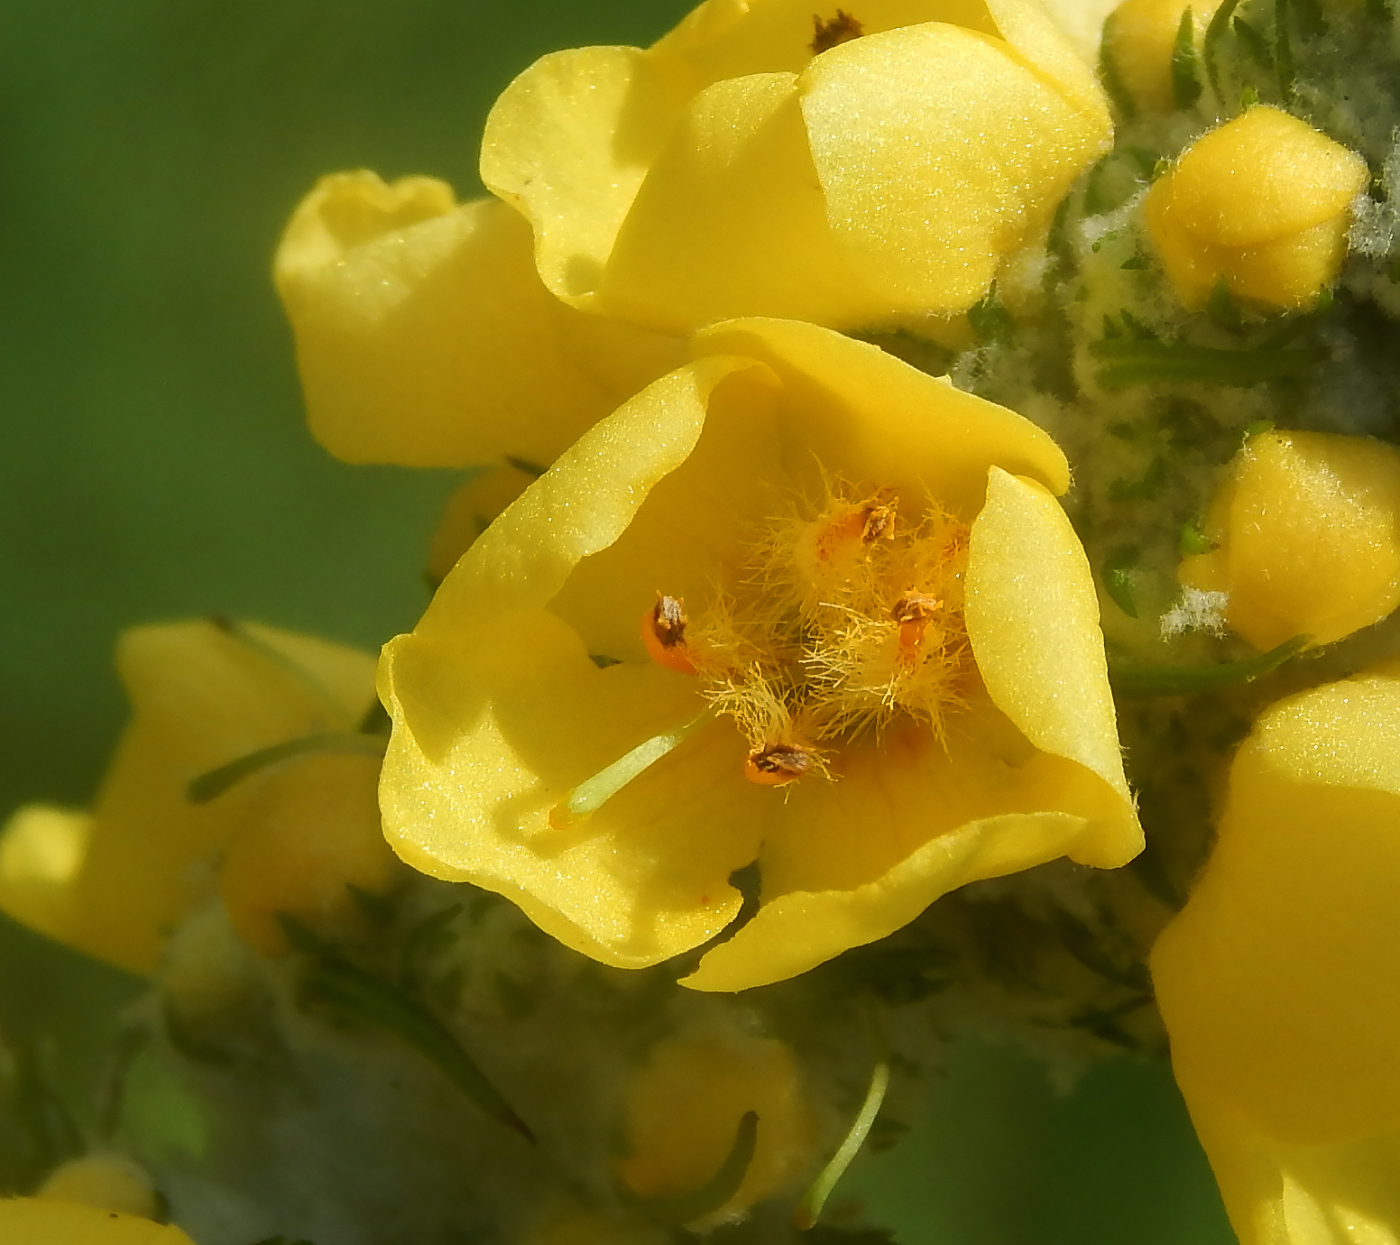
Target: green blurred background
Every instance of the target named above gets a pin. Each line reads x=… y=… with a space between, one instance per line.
x=156 y=466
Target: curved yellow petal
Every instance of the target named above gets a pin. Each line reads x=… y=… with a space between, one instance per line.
x=201 y=697
x=499 y=713
x=1279 y=982
x=424 y=336
x=731 y=221
x=856 y=406
x=568 y=143
x=903 y=824
x=37 y=1221
x=41 y=855
x=1033 y=620
x=956 y=153
x=1044 y=37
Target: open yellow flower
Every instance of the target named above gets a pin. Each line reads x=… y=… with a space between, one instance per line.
x=1307 y=529
x=425 y=338
x=1280 y=980
x=113 y=882
x=1262 y=203
x=797 y=603
x=876 y=170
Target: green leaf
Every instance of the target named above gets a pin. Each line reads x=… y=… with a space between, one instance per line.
x=1219 y=23
x=365 y=997
x=1186 y=77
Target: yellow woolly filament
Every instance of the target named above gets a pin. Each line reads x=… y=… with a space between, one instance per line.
x=847 y=618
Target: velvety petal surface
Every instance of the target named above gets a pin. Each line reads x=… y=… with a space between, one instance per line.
x=1280 y=980
x=36 y=1221
x=568 y=143
x=425 y=337
x=940 y=151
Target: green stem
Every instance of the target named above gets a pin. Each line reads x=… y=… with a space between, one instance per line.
x=810 y=1208
x=1147 y=681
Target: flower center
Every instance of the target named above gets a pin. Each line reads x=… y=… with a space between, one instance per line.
x=837 y=624
x=840 y=29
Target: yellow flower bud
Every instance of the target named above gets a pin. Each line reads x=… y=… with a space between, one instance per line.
x=311 y=832
x=1262 y=203
x=742 y=167
x=638 y=680
x=1279 y=982
x=203 y=694
x=683 y=1113
x=38 y=1221
x=1140 y=37
x=1308 y=533
x=425 y=338
x=106 y=1181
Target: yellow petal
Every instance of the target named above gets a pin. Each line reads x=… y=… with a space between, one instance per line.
x=1261 y=176
x=36 y=1221
x=500 y=713
x=731 y=221
x=1141 y=38
x=41 y=855
x=568 y=143
x=424 y=336
x=732 y=38
x=470 y=511
x=1033 y=620
x=854 y=405
x=1308 y=527
x=904 y=824
x=940 y=151
x=1280 y=980
x=201 y=697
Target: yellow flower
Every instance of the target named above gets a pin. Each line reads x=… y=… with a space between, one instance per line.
x=1262 y=203
x=1307 y=526
x=1280 y=980
x=114 y=882
x=735 y=169
x=684 y=1111
x=898 y=683
x=425 y=338
x=36 y=1221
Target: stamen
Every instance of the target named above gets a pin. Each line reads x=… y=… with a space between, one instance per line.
x=776 y=765
x=840 y=29
x=592 y=793
x=912 y=612
x=663 y=634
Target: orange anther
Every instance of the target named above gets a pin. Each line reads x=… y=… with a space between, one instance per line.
x=778 y=764
x=663 y=634
x=912 y=612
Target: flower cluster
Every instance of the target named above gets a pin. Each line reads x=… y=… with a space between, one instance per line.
x=867 y=447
